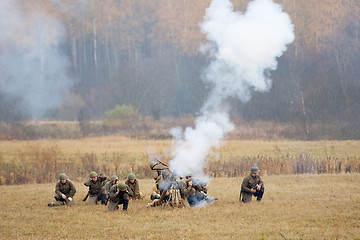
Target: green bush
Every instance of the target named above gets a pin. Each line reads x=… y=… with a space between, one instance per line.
x=123 y=116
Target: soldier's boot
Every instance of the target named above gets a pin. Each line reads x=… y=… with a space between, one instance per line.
x=103 y=199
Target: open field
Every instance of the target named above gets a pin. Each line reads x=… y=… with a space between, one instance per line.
x=307 y=206
x=41 y=161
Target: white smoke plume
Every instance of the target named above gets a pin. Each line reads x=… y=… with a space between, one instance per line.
x=244 y=48
x=33 y=67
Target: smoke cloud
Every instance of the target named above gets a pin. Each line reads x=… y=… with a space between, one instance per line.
x=33 y=67
x=243 y=48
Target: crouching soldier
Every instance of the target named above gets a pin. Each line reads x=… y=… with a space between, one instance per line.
x=119 y=194
x=187 y=191
x=196 y=192
x=96 y=190
x=252 y=185
x=133 y=183
x=64 y=192
x=109 y=184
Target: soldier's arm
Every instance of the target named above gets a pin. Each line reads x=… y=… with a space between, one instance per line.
x=244 y=186
x=137 y=189
x=87 y=183
x=72 y=189
x=57 y=189
x=113 y=193
x=198 y=187
x=261 y=183
x=102 y=177
x=130 y=192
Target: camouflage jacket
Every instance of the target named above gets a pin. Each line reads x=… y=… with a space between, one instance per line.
x=95 y=187
x=185 y=190
x=249 y=182
x=200 y=186
x=135 y=188
x=67 y=188
x=107 y=186
x=116 y=197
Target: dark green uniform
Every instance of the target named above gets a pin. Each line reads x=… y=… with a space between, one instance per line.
x=250 y=182
x=68 y=189
x=107 y=187
x=96 y=190
x=118 y=198
x=135 y=188
x=186 y=191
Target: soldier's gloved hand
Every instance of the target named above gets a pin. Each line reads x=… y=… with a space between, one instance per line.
x=70 y=199
x=252 y=190
x=63 y=196
x=258 y=188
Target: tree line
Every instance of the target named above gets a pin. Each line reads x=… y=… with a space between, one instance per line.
x=145 y=54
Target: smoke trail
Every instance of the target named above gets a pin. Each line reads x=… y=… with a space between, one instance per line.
x=32 y=66
x=244 y=48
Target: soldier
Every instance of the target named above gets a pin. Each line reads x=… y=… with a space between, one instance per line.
x=119 y=194
x=252 y=185
x=163 y=179
x=96 y=190
x=187 y=191
x=109 y=184
x=64 y=192
x=133 y=183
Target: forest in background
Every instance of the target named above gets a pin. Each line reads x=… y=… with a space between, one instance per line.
x=145 y=54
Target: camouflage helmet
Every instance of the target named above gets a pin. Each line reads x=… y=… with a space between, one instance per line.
x=152 y=165
x=114 y=178
x=131 y=176
x=62 y=176
x=121 y=186
x=254 y=169
x=93 y=174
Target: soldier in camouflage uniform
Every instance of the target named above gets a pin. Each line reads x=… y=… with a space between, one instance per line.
x=119 y=194
x=162 y=180
x=133 y=183
x=96 y=190
x=252 y=185
x=64 y=192
x=187 y=191
x=196 y=192
x=109 y=184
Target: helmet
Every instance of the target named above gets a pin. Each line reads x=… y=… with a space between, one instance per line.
x=62 y=176
x=189 y=175
x=93 y=174
x=114 y=178
x=121 y=186
x=131 y=176
x=190 y=179
x=152 y=165
x=255 y=170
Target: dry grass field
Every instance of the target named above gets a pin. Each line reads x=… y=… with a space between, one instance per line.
x=41 y=161
x=307 y=206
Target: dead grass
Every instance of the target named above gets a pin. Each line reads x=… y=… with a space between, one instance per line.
x=296 y=207
x=20 y=160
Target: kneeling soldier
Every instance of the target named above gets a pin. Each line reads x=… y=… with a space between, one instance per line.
x=119 y=194
x=64 y=192
x=109 y=184
x=96 y=190
x=252 y=185
x=133 y=183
